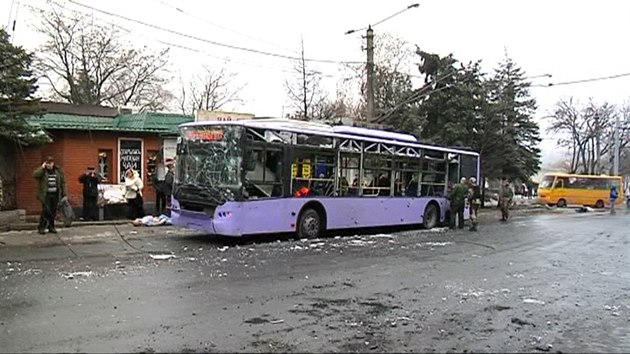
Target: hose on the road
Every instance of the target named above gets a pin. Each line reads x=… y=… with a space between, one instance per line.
x=136 y=248
x=46 y=225
x=476 y=244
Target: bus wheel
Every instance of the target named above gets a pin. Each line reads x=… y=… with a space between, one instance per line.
x=599 y=204
x=431 y=217
x=562 y=203
x=309 y=225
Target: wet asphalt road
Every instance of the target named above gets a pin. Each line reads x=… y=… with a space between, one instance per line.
x=557 y=283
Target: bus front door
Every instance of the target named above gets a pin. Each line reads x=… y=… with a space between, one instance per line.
x=558 y=193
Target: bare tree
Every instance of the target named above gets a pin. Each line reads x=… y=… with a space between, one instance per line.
x=393 y=59
x=567 y=120
x=87 y=63
x=342 y=106
x=305 y=93
x=208 y=90
x=588 y=133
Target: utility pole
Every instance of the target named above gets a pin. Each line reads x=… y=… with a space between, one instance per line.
x=616 y=151
x=369 y=36
x=370 y=73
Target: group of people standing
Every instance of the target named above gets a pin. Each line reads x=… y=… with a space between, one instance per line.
x=467 y=191
x=459 y=194
x=52 y=189
x=163 y=189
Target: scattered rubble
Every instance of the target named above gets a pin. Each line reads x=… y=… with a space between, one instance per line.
x=73 y=275
x=533 y=301
x=162 y=257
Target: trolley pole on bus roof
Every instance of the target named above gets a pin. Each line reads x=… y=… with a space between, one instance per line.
x=369 y=67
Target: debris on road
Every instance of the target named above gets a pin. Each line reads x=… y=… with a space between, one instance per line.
x=73 y=275
x=437 y=229
x=162 y=257
x=544 y=349
x=223 y=249
x=533 y=301
x=614 y=310
x=276 y=321
x=360 y=243
x=520 y=322
x=33 y=271
x=381 y=236
x=435 y=244
x=584 y=210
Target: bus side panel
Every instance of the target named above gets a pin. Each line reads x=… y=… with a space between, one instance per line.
x=344 y=213
x=281 y=215
x=242 y=218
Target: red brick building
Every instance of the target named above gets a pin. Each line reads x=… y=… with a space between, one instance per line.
x=101 y=137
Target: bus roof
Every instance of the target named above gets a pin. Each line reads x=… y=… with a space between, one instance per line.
x=565 y=174
x=341 y=131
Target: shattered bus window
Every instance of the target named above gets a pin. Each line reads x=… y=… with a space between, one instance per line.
x=210 y=163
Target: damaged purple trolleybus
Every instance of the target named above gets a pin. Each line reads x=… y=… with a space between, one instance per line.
x=276 y=175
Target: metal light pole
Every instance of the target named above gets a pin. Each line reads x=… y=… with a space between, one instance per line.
x=369 y=37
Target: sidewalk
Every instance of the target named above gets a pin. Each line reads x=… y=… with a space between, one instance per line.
x=82 y=233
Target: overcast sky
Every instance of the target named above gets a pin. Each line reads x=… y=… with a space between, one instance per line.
x=570 y=40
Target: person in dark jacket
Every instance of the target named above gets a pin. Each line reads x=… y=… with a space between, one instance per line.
x=90 y=180
x=457 y=198
x=160 y=197
x=51 y=188
x=167 y=185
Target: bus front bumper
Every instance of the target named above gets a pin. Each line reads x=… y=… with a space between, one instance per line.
x=221 y=223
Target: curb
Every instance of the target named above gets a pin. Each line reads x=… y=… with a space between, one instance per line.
x=33 y=226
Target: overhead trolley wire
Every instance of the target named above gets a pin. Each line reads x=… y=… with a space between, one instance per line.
x=184 y=12
x=234 y=47
x=581 y=81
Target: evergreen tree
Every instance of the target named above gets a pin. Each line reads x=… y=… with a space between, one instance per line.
x=17 y=86
x=458 y=106
x=452 y=100
x=512 y=107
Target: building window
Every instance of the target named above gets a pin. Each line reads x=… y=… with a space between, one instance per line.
x=105 y=164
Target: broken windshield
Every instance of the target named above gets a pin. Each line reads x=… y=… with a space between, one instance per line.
x=210 y=156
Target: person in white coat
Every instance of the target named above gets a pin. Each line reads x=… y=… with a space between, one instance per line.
x=133 y=194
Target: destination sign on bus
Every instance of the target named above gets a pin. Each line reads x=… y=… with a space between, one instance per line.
x=205 y=135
